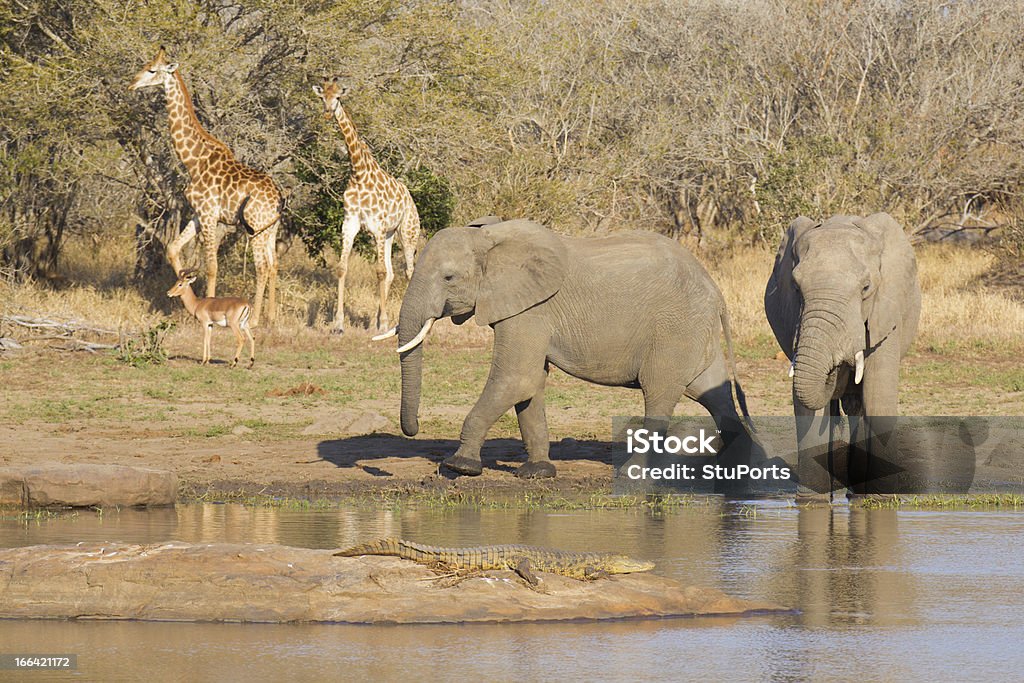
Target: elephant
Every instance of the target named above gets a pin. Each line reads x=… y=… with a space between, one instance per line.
x=630 y=309
x=843 y=301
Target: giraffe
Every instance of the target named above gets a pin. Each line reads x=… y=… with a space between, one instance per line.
x=221 y=189
x=374 y=200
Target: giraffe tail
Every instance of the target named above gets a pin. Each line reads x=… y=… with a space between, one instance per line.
x=241 y=216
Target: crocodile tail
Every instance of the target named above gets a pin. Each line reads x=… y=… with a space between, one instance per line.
x=384 y=546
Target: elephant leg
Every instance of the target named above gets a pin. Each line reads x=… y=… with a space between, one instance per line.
x=517 y=375
x=533 y=425
x=821 y=455
x=712 y=389
x=873 y=455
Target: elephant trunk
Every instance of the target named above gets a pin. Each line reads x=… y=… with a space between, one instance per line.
x=814 y=372
x=412 y=379
x=412 y=320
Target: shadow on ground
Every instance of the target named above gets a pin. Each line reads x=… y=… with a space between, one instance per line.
x=497 y=454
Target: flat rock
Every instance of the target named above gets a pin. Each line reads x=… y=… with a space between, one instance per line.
x=79 y=485
x=273 y=583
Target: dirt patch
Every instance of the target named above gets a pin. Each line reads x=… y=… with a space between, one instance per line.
x=304 y=389
x=224 y=432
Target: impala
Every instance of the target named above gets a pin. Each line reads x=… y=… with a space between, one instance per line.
x=225 y=311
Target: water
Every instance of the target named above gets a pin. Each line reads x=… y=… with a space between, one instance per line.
x=884 y=595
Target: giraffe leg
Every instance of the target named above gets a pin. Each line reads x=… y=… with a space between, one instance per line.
x=264 y=258
x=174 y=248
x=272 y=274
x=348 y=235
x=385 y=276
x=410 y=236
x=208 y=226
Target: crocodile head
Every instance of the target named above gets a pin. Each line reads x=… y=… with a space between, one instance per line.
x=620 y=564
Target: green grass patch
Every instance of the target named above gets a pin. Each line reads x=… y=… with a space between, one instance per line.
x=981 y=501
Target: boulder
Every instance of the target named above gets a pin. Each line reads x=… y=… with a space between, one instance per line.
x=58 y=484
x=273 y=583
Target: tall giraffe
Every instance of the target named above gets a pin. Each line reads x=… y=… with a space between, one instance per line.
x=221 y=189
x=374 y=200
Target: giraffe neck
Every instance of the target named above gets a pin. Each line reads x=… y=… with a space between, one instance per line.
x=358 y=153
x=192 y=143
x=189 y=298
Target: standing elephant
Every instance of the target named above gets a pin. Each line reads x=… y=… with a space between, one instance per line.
x=632 y=309
x=844 y=302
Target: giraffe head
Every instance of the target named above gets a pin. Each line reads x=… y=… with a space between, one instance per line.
x=185 y=279
x=158 y=71
x=331 y=93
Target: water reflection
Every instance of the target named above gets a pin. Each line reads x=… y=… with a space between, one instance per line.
x=899 y=595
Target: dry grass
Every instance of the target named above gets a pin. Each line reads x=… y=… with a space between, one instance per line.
x=958 y=309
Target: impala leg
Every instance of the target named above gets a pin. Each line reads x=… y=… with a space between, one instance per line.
x=207 y=331
x=241 y=342
x=252 y=347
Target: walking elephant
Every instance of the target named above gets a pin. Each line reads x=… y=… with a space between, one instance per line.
x=844 y=302
x=632 y=309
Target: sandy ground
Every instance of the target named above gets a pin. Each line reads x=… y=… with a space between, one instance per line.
x=232 y=431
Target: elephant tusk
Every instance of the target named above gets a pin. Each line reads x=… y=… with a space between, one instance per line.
x=859 y=372
x=418 y=339
x=386 y=335
x=792 y=369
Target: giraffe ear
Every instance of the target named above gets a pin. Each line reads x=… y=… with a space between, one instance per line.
x=171 y=68
x=318 y=90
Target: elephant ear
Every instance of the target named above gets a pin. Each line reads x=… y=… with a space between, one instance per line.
x=897 y=297
x=781 y=297
x=525 y=265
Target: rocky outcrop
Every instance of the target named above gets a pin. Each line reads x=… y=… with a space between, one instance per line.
x=70 y=485
x=271 y=583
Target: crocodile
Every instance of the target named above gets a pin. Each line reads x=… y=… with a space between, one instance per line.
x=522 y=559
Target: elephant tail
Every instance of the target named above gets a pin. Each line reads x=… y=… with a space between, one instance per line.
x=741 y=398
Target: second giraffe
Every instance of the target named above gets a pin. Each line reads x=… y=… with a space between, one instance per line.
x=375 y=201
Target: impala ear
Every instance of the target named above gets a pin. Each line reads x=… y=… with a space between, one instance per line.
x=525 y=265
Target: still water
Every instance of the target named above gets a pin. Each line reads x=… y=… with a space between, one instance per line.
x=883 y=595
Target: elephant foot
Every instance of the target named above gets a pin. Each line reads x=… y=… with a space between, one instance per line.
x=540 y=469
x=459 y=463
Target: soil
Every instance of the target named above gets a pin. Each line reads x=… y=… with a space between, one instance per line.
x=323 y=422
